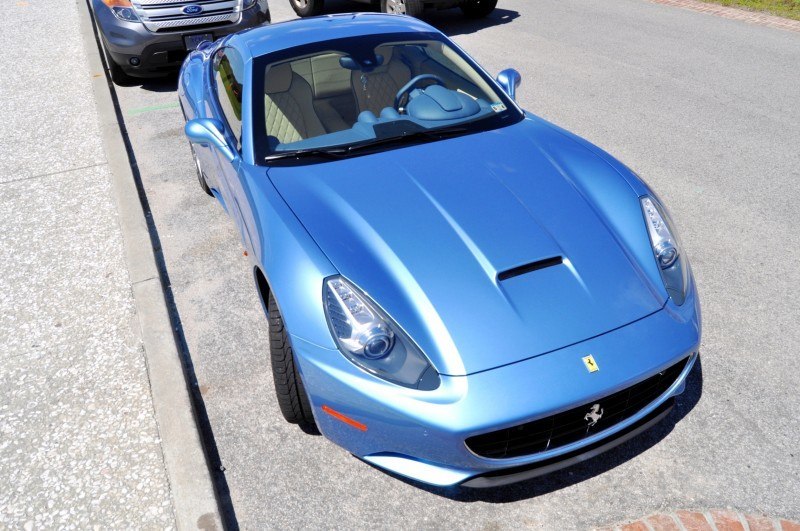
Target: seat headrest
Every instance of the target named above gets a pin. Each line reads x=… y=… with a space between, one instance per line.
x=279 y=78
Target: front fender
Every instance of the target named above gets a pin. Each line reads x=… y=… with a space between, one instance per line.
x=190 y=86
x=291 y=261
x=193 y=96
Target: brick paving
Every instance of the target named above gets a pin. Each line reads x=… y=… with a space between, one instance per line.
x=754 y=17
x=713 y=520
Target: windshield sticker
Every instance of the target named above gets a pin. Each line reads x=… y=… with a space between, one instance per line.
x=498 y=107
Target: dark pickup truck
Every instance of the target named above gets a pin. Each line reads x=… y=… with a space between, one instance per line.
x=471 y=8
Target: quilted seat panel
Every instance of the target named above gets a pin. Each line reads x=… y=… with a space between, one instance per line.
x=376 y=90
x=289 y=108
x=283 y=118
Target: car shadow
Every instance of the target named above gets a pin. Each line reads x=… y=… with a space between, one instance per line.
x=600 y=464
x=334 y=7
x=168 y=83
x=451 y=22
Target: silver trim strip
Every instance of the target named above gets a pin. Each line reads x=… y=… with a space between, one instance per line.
x=146 y=4
x=217 y=8
x=224 y=11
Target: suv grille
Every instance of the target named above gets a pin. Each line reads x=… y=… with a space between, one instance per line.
x=168 y=15
x=573 y=425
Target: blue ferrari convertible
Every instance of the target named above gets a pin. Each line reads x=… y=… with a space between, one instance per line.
x=458 y=291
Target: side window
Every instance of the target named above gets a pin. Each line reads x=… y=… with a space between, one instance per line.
x=229 y=74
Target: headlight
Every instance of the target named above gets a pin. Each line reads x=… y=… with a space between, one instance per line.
x=249 y=3
x=370 y=339
x=122 y=9
x=666 y=248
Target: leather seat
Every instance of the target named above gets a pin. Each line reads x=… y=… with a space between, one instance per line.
x=382 y=83
x=289 y=107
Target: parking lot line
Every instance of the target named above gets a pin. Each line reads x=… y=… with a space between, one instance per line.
x=151 y=108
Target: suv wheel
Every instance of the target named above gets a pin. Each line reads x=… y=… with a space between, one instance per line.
x=307 y=8
x=412 y=8
x=118 y=75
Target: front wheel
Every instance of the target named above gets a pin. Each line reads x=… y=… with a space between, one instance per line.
x=412 y=8
x=478 y=8
x=307 y=8
x=118 y=76
x=292 y=397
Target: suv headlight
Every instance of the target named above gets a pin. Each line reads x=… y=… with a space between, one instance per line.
x=248 y=4
x=122 y=9
x=370 y=339
x=671 y=261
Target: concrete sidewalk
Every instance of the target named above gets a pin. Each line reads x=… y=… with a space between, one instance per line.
x=80 y=442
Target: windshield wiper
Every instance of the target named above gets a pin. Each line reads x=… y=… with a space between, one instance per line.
x=335 y=153
x=328 y=153
x=413 y=136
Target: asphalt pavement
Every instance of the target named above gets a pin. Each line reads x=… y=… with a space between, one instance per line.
x=705 y=109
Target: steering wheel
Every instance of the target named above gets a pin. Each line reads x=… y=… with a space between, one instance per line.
x=413 y=83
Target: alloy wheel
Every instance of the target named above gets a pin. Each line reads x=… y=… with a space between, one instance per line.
x=398 y=7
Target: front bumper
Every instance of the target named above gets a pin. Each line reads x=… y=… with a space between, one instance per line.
x=162 y=52
x=421 y=434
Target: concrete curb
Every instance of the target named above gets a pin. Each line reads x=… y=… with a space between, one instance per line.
x=192 y=489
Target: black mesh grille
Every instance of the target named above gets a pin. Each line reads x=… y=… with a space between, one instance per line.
x=573 y=425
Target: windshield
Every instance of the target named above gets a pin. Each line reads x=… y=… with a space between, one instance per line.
x=377 y=92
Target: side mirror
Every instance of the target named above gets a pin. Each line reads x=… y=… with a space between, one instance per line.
x=209 y=131
x=509 y=79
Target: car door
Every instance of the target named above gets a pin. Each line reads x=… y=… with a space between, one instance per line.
x=228 y=73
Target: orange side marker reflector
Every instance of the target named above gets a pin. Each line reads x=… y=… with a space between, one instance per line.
x=347 y=420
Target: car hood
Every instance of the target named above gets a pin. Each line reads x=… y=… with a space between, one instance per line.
x=426 y=230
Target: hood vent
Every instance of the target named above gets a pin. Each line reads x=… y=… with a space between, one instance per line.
x=528 y=268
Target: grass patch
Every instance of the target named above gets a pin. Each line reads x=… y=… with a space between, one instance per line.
x=782 y=8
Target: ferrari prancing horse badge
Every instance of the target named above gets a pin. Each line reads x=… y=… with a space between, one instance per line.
x=591 y=365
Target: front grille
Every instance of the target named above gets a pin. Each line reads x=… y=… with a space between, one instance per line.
x=168 y=15
x=573 y=425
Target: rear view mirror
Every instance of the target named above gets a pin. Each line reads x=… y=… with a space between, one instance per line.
x=209 y=131
x=509 y=79
x=348 y=62
x=366 y=64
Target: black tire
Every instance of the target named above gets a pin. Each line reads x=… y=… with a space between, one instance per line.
x=307 y=8
x=292 y=397
x=118 y=76
x=412 y=8
x=478 y=8
x=201 y=177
